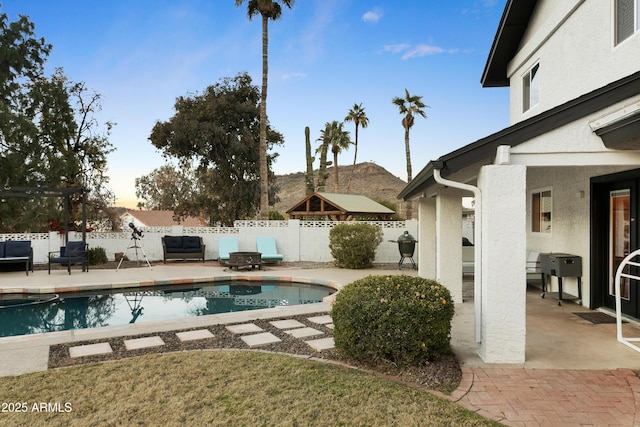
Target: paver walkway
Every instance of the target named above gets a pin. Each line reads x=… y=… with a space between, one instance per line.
x=551 y=397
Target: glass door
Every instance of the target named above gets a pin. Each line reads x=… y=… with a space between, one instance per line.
x=619 y=238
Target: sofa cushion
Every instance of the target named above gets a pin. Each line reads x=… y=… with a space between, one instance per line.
x=183 y=250
x=191 y=242
x=173 y=242
x=75 y=249
x=2 y=245
x=17 y=248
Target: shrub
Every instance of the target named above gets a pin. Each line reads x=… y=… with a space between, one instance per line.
x=275 y=216
x=403 y=319
x=354 y=245
x=97 y=256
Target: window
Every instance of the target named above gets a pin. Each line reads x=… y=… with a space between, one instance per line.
x=541 y=211
x=627 y=17
x=530 y=88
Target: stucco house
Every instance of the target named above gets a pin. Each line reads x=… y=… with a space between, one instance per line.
x=156 y=218
x=563 y=177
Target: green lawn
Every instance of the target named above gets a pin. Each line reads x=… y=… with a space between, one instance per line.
x=224 y=388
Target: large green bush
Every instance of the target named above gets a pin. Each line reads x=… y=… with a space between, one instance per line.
x=97 y=256
x=354 y=245
x=403 y=319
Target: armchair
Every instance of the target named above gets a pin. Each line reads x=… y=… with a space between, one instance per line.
x=74 y=253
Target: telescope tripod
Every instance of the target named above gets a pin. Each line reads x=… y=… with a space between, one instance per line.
x=133 y=244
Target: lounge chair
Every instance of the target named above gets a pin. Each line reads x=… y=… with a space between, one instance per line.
x=267 y=247
x=226 y=245
x=74 y=253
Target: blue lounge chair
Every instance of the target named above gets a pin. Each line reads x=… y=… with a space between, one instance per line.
x=267 y=247
x=226 y=245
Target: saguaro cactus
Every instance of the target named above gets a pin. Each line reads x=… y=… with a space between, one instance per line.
x=310 y=182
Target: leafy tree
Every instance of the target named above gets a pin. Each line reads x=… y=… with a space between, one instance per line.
x=338 y=139
x=267 y=9
x=408 y=106
x=218 y=133
x=359 y=118
x=49 y=136
x=166 y=187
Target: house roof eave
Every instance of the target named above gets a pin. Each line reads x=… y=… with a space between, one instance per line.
x=513 y=23
x=484 y=149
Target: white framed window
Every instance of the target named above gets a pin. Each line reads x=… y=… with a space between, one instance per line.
x=541 y=210
x=626 y=16
x=531 y=88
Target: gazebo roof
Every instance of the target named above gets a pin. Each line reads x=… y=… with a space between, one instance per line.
x=338 y=206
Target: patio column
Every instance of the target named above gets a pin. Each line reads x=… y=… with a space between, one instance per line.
x=449 y=241
x=503 y=288
x=427 y=237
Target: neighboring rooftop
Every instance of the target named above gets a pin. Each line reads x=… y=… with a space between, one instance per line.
x=161 y=218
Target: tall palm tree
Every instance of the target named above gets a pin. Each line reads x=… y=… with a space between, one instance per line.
x=408 y=106
x=267 y=9
x=359 y=118
x=338 y=139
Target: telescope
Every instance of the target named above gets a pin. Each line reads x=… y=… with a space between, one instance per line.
x=135 y=229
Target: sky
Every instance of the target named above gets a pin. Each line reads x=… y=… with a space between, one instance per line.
x=324 y=57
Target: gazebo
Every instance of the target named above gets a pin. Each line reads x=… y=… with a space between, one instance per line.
x=339 y=207
x=42 y=192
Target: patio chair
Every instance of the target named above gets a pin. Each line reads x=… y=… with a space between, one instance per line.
x=72 y=253
x=226 y=245
x=267 y=247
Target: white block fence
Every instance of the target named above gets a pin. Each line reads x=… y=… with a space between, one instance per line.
x=297 y=240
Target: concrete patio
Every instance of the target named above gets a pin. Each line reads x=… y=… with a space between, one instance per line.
x=575 y=371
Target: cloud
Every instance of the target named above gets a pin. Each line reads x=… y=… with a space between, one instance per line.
x=408 y=51
x=395 y=48
x=372 y=15
x=294 y=76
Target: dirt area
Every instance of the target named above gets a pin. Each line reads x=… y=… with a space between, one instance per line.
x=443 y=374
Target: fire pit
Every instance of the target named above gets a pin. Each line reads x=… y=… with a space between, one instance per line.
x=245 y=259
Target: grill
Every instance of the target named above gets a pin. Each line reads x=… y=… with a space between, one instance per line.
x=406 y=247
x=561 y=265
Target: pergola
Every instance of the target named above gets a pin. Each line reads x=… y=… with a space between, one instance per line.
x=51 y=192
x=339 y=207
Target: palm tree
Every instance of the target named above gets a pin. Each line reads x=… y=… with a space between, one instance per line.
x=408 y=106
x=267 y=9
x=338 y=139
x=359 y=118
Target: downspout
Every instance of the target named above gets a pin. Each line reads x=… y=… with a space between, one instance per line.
x=477 y=242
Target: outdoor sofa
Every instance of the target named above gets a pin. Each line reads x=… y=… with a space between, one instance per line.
x=182 y=247
x=17 y=252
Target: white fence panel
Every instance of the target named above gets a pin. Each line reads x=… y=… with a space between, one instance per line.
x=297 y=240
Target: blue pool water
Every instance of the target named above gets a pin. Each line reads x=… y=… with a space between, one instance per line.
x=33 y=314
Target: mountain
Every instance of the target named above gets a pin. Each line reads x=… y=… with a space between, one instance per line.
x=366 y=178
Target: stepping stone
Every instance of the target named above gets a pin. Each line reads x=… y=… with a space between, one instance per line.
x=304 y=332
x=287 y=324
x=244 y=328
x=90 y=350
x=323 y=320
x=200 y=334
x=321 y=344
x=329 y=325
x=138 y=343
x=259 y=340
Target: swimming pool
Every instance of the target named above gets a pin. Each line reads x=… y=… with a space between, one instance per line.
x=22 y=314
